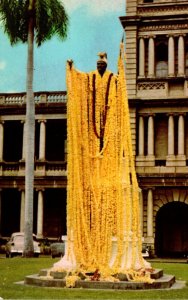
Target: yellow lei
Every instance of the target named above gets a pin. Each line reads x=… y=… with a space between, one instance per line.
x=103 y=197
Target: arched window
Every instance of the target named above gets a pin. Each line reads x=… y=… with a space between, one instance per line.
x=161 y=60
x=161 y=69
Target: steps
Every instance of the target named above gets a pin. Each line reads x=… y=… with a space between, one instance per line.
x=56 y=279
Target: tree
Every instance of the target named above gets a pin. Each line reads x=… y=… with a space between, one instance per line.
x=27 y=21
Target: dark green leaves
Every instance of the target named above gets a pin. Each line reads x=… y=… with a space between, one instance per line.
x=50 y=18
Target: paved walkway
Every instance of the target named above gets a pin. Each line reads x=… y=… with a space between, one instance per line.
x=168 y=260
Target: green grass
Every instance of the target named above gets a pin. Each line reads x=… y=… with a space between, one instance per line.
x=15 y=269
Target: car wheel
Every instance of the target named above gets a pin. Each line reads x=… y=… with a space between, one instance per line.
x=36 y=255
x=8 y=255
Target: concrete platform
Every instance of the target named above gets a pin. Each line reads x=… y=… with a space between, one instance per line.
x=57 y=279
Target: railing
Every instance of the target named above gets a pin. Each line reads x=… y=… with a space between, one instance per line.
x=44 y=168
x=56 y=166
x=159 y=162
x=40 y=97
x=10 y=166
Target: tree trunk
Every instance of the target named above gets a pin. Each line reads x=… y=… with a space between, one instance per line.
x=30 y=138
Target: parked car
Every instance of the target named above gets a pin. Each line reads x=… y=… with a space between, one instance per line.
x=57 y=249
x=146 y=251
x=15 y=245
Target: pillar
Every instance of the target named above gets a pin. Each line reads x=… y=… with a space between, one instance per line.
x=171 y=135
x=42 y=141
x=151 y=57
x=151 y=135
x=40 y=214
x=23 y=143
x=150 y=213
x=181 y=56
x=171 y=56
x=22 y=211
x=181 y=135
x=141 y=211
x=141 y=57
x=1 y=139
x=141 y=136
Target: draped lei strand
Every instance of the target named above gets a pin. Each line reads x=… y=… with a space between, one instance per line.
x=104 y=115
x=102 y=183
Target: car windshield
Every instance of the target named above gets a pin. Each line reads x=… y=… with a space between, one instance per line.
x=19 y=238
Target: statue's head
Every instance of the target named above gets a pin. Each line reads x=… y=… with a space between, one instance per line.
x=102 y=63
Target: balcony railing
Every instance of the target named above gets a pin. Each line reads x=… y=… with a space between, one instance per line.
x=42 y=168
x=40 y=97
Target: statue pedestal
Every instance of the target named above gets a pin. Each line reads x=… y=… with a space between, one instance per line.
x=68 y=263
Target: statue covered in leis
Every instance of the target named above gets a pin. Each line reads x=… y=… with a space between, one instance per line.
x=103 y=213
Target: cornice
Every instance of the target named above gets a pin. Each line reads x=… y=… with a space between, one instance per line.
x=163 y=27
x=162 y=10
x=43 y=108
x=157 y=102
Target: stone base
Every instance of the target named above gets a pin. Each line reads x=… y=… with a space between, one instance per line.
x=161 y=281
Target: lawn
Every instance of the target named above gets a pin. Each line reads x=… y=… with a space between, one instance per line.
x=15 y=269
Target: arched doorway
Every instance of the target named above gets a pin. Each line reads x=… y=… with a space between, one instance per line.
x=171 y=238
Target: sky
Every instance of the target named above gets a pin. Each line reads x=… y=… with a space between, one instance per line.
x=94 y=27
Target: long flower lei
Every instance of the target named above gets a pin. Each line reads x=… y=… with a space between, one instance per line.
x=103 y=202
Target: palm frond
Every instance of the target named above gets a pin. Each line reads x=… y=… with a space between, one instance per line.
x=13 y=16
x=51 y=19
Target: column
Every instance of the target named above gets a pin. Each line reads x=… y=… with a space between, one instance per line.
x=0 y=212
x=171 y=56
x=141 y=136
x=181 y=135
x=42 y=141
x=22 y=211
x=171 y=135
x=141 y=57
x=150 y=213
x=151 y=135
x=151 y=57
x=181 y=56
x=23 y=143
x=1 y=139
x=40 y=214
x=141 y=211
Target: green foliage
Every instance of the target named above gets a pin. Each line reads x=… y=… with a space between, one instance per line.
x=50 y=18
x=14 y=16
x=15 y=269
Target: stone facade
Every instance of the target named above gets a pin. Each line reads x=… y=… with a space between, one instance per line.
x=157 y=82
x=50 y=164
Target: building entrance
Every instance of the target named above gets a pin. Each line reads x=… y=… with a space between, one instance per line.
x=171 y=237
x=54 y=213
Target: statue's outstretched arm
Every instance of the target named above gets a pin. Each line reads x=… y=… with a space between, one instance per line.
x=70 y=63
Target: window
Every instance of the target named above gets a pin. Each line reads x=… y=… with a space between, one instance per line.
x=161 y=59
x=161 y=69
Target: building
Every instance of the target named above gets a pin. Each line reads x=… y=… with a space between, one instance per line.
x=50 y=164
x=157 y=82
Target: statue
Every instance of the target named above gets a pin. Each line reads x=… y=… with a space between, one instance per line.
x=103 y=195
